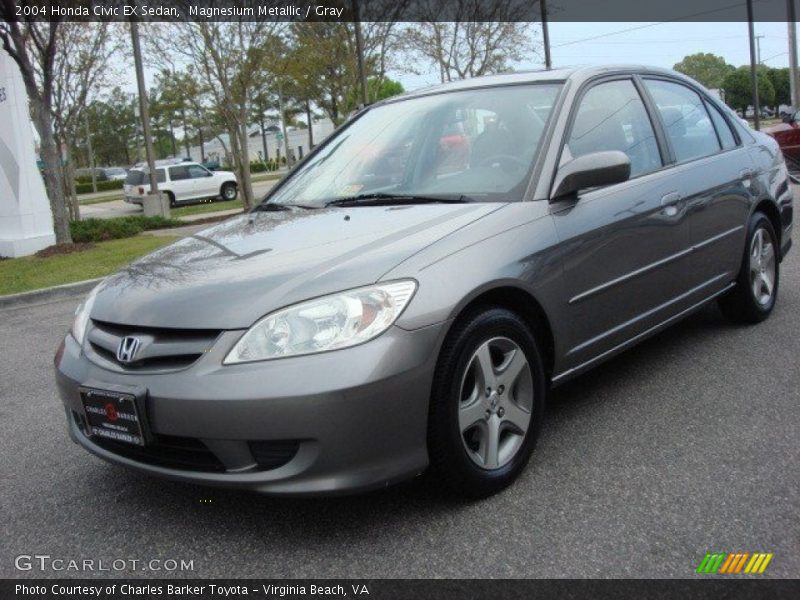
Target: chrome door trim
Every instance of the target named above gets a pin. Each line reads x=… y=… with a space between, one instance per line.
x=654 y=265
x=564 y=375
x=648 y=313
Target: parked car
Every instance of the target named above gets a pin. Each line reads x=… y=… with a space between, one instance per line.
x=86 y=174
x=182 y=181
x=787 y=134
x=348 y=333
x=115 y=173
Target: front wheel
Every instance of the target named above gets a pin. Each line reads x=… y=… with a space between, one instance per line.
x=487 y=403
x=229 y=191
x=753 y=298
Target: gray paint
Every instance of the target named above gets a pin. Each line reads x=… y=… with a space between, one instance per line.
x=608 y=267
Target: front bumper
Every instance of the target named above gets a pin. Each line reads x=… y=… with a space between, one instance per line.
x=357 y=417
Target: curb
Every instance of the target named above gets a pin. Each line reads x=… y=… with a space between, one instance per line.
x=58 y=291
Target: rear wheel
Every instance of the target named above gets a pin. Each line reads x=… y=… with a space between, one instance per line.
x=753 y=298
x=487 y=403
x=229 y=191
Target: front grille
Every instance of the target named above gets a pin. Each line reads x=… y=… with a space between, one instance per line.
x=169 y=451
x=273 y=454
x=159 y=348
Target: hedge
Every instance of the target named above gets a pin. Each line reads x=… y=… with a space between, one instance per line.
x=102 y=186
x=258 y=166
x=101 y=230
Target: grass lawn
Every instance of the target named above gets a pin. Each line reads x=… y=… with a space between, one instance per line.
x=204 y=207
x=31 y=273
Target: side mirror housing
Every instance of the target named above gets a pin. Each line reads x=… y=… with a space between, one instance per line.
x=591 y=170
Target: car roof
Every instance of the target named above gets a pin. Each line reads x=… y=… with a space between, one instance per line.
x=578 y=74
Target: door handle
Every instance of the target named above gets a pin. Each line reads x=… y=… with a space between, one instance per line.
x=670 y=199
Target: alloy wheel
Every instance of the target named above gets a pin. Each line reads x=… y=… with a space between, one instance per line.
x=762 y=267
x=496 y=401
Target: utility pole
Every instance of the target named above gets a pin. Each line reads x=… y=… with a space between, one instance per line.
x=144 y=110
x=753 y=66
x=548 y=63
x=791 y=17
x=758 y=48
x=360 y=51
x=283 y=128
x=89 y=151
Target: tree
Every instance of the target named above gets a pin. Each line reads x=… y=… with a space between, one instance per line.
x=474 y=38
x=706 y=68
x=738 y=90
x=229 y=58
x=781 y=83
x=380 y=89
x=81 y=67
x=33 y=46
x=113 y=121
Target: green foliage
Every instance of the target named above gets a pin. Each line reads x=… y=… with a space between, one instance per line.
x=85 y=187
x=258 y=166
x=738 y=93
x=100 y=230
x=781 y=82
x=709 y=69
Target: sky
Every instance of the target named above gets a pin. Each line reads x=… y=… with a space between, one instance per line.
x=655 y=44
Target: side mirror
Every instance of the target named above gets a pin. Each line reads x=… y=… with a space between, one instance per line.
x=591 y=170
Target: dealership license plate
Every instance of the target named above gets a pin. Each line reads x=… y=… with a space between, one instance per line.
x=113 y=416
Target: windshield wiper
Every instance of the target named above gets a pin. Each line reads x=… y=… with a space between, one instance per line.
x=275 y=207
x=386 y=199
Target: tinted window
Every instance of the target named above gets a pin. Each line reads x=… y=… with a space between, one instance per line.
x=196 y=171
x=178 y=173
x=160 y=175
x=612 y=116
x=722 y=127
x=687 y=123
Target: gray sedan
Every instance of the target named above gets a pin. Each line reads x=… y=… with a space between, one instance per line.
x=404 y=300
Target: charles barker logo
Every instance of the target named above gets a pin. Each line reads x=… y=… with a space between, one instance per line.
x=127 y=349
x=731 y=563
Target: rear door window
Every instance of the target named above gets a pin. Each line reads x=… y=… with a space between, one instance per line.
x=686 y=121
x=178 y=173
x=723 y=129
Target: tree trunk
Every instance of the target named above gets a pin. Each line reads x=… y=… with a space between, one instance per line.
x=185 y=134
x=53 y=173
x=264 y=139
x=202 y=145
x=310 y=127
x=246 y=186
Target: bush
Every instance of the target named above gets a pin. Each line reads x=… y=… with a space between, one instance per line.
x=102 y=186
x=101 y=230
x=257 y=167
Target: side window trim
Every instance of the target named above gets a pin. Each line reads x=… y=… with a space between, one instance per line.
x=711 y=106
x=664 y=145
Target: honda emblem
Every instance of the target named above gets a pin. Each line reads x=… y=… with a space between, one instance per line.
x=127 y=349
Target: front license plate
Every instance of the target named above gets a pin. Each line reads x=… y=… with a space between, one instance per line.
x=113 y=415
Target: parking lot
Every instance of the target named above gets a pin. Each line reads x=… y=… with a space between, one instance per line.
x=686 y=445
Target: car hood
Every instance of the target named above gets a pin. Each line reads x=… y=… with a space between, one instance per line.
x=232 y=274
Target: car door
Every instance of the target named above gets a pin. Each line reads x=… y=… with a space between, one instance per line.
x=624 y=245
x=180 y=183
x=713 y=175
x=204 y=184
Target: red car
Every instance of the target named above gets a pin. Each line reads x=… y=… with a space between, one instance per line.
x=787 y=135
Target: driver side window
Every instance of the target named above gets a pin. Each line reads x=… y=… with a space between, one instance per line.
x=612 y=116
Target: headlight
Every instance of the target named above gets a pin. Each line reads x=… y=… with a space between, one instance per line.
x=82 y=313
x=327 y=323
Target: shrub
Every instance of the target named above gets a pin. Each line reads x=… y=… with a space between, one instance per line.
x=257 y=167
x=101 y=230
x=102 y=186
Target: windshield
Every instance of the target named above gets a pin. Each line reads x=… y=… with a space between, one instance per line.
x=477 y=144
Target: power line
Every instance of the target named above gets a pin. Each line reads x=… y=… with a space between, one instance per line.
x=638 y=27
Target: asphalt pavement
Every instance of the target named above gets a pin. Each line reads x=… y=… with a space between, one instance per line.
x=686 y=445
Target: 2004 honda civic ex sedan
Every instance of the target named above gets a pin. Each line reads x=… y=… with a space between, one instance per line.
x=404 y=299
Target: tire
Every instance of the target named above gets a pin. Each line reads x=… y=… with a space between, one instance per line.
x=171 y=196
x=462 y=456
x=228 y=191
x=753 y=298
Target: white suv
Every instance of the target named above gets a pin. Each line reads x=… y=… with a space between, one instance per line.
x=182 y=182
